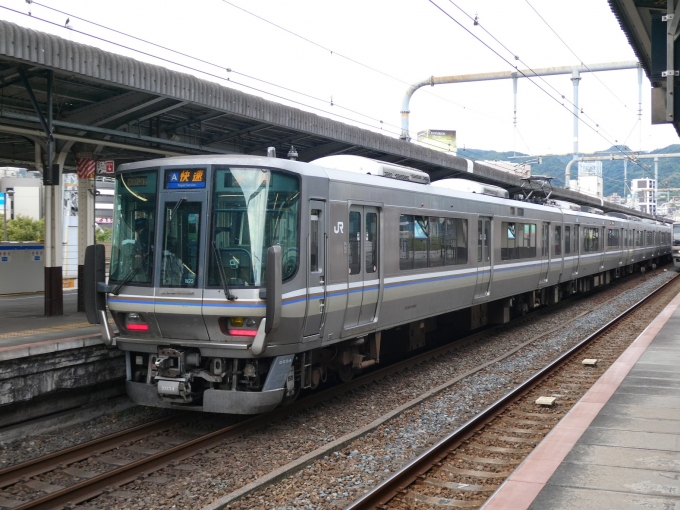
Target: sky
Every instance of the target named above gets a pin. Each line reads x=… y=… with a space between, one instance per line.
x=353 y=61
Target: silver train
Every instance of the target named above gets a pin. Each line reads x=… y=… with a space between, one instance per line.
x=676 y=244
x=237 y=281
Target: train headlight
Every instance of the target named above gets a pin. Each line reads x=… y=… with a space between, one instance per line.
x=236 y=322
x=136 y=322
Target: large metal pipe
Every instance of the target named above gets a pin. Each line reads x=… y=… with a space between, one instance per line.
x=503 y=75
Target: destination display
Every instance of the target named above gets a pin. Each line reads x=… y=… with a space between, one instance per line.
x=185 y=178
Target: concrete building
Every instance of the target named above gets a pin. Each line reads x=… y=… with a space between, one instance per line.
x=589 y=179
x=644 y=191
x=614 y=198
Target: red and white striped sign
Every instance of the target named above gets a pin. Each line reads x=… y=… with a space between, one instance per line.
x=85 y=168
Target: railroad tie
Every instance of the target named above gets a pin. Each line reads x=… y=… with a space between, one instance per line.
x=442 y=502
x=473 y=472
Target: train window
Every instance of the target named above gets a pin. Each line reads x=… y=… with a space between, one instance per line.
x=558 y=240
x=134 y=224
x=179 y=263
x=253 y=209
x=371 y=242
x=354 y=242
x=567 y=240
x=518 y=240
x=314 y=219
x=545 y=232
x=431 y=242
x=591 y=239
x=650 y=238
x=456 y=246
x=613 y=239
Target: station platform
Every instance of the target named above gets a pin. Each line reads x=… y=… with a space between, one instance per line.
x=619 y=446
x=25 y=331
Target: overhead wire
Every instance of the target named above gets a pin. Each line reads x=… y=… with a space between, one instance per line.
x=448 y=15
x=228 y=79
x=229 y=70
x=350 y=59
x=563 y=96
x=578 y=58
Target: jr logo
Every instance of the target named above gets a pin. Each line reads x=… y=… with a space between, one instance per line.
x=338 y=228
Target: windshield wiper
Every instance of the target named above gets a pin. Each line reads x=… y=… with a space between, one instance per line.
x=174 y=209
x=220 y=271
x=133 y=272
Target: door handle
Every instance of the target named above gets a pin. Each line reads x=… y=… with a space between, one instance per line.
x=321 y=305
x=322 y=281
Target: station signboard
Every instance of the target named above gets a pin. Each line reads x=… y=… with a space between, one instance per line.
x=105 y=167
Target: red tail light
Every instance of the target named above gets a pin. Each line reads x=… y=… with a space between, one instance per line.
x=243 y=332
x=138 y=327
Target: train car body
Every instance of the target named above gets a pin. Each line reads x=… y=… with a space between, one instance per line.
x=368 y=264
x=676 y=244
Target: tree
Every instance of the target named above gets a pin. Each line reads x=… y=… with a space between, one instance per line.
x=23 y=228
x=103 y=235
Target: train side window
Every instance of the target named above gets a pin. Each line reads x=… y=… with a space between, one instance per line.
x=354 y=242
x=613 y=240
x=371 y=242
x=529 y=249
x=456 y=241
x=567 y=240
x=405 y=241
x=558 y=240
x=479 y=240
x=421 y=233
x=591 y=239
x=438 y=246
x=314 y=219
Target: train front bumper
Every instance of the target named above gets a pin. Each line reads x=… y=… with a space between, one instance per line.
x=214 y=401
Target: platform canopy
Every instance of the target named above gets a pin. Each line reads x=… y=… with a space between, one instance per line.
x=647 y=24
x=122 y=109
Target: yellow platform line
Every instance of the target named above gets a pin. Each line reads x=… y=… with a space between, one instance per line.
x=39 y=331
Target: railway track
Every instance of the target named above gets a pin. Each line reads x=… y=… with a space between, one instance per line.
x=464 y=468
x=84 y=483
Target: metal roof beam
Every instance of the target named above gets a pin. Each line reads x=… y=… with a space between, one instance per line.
x=114 y=132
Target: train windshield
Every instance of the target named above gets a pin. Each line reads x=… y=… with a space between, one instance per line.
x=676 y=235
x=134 y=220
x=253 y=209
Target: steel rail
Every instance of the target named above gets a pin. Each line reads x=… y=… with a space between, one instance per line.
x=93 y=487
x=407 y=475
x=33 y=467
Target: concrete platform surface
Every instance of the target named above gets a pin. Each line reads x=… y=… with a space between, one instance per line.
x=22 y=323
x=619 y=447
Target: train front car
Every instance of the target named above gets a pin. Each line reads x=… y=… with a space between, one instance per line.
x=192 y=238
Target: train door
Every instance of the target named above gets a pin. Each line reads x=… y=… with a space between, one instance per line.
x=602 y=246
x=316 y=268
x=621 y=246
x=363 y=259
x=179 y=294
x=545 y=253
x=576 y=250
x=484 y=262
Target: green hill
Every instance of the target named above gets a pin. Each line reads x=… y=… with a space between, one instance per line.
x=612 y=171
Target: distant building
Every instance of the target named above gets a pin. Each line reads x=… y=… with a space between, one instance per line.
x=589 y=179
x=614 y=198
x=644 y=191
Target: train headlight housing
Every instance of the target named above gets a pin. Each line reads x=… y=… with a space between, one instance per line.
x=236 y=322
x=136 y=322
